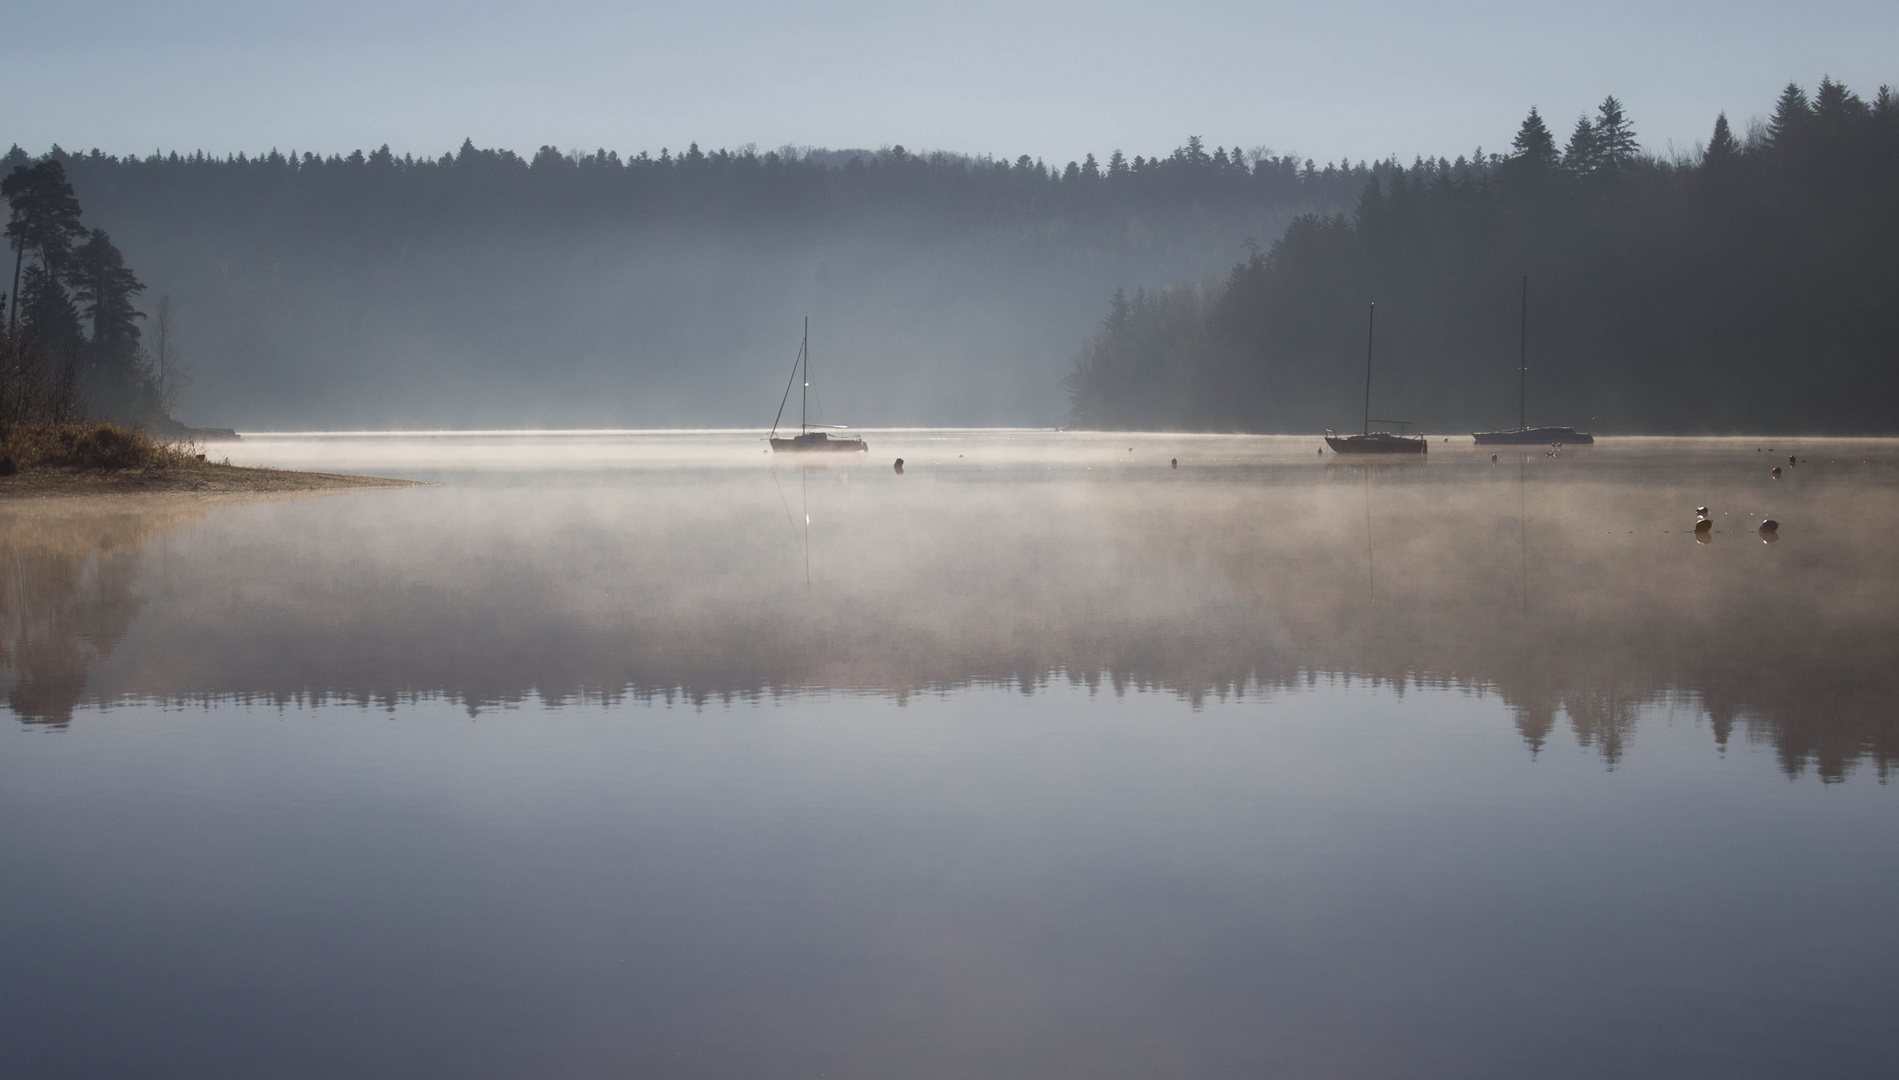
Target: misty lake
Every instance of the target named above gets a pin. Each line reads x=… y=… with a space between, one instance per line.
x=654 y=754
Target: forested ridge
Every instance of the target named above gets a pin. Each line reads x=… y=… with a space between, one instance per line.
x=1752 y=285
x=484 y=288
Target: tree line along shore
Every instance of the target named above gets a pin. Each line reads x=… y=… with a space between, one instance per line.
x=85 y=404
x=1745 y=286
x=1740 y=286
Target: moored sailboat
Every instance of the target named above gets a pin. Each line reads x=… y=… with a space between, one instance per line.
x=807 y=439
x=1369 y=441
x=1523 y=434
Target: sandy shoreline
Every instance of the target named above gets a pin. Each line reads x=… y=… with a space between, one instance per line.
x=206 y=478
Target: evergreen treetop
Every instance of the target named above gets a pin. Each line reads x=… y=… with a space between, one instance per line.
x=1582 y=155
x=1792 y=116
x=1534 y=144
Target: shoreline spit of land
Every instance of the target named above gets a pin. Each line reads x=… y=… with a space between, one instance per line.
x=197 y=478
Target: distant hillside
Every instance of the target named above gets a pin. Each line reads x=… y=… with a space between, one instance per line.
x=487 y=289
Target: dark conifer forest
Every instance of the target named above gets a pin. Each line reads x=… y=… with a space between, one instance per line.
x=484 y=289
x=1749 y=285
x=69 y=328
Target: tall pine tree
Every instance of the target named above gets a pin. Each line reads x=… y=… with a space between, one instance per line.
x=1535 y=146
x=1614 y=135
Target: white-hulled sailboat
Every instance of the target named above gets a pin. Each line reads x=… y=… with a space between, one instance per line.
x=806 y=438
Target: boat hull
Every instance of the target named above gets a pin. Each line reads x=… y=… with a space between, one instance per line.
x=1536 y=436
x=1379 y=443
x=818 y=442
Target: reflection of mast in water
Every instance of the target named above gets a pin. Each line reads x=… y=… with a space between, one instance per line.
x=804 y=504
x=1371 y=569
x=1523 y=542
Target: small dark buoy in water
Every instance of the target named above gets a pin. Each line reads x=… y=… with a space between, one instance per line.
x=1770 y=531
x=1701 y=511
x=1776 y=472
x=1173 y=463
x=1703 y=528
x=1321 y=451
x=1130 y=449
x=1790 y=460
x=1493 y=459
x=899 y=466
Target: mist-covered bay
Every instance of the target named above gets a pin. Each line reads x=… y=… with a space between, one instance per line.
x=1042 y=754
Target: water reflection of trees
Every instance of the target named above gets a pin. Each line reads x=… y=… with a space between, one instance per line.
x=1209 y=590
x=69 y=594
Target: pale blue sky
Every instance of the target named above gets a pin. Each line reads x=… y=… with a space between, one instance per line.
x=1050 y=79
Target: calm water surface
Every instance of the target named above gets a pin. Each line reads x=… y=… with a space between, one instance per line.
x=652 y=755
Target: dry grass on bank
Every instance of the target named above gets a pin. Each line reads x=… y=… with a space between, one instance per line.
x=88 y=445
x=39 y=461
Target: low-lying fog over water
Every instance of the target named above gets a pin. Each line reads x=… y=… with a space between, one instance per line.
x=654 y=754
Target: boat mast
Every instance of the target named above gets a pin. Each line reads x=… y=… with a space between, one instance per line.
x=805 y=394
x=1370 y=320
x=1523 y=352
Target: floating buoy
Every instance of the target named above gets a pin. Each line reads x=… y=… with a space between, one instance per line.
x=1701 y=511
x=1704 y=526
x=1776 y=472
x=1493 y=459
x=1770 y=531
x=1173 y=463
x=899 y=466
x=1130 y=449
x=1790 y=460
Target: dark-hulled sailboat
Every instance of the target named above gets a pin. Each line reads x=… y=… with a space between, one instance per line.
x=807 y=439
x=1369 y=441
x=1522 y=434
